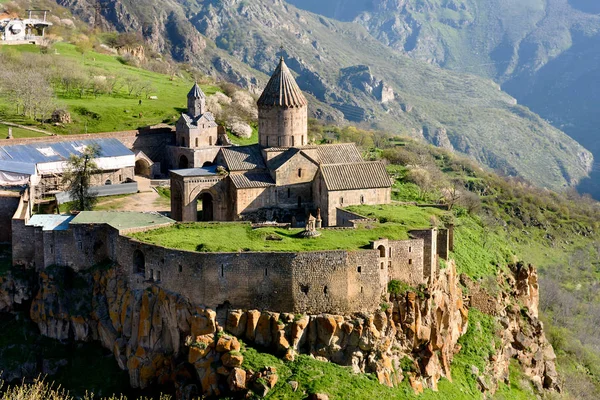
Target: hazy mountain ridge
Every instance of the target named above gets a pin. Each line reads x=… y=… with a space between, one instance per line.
x=543 y=52
x=241 y=40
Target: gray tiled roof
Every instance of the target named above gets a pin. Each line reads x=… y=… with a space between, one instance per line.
x=338 y=154
x=363 y=175
x=192 y=122
x=243 y=158
x=282 y=89
x=196 y=92
x=249 y=180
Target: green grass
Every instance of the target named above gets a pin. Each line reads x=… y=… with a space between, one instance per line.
x=234 y=237
x=339 y=382
x=410 y=216
x=117 y=112
x=19 y=133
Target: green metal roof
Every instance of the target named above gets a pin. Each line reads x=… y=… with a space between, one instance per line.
x=122 y=220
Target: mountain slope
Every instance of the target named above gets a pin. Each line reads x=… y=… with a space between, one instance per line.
x=235 y=39
x=543 y=52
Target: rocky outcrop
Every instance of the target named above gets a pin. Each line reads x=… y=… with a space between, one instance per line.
x=521 y=332
x=160 y=337
x=155 y=334
x=359 y=77
x=14 y=291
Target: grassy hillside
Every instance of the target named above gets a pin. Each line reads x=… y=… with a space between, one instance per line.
x=101 y=112
x=240 y=42
x=542 y=52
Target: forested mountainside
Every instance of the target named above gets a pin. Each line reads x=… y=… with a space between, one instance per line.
x=352 y=75
x=543 y=52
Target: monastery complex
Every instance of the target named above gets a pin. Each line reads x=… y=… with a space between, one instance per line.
x=281 y=180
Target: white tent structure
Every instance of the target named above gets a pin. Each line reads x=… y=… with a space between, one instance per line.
x=29 y=163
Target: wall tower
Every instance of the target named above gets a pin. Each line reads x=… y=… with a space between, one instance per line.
x=282 y=111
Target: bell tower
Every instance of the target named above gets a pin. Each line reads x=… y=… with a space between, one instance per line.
x=282 y=111
x=196 y=101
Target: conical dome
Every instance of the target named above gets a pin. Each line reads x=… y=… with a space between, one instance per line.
x=282 y=89
x=196 y=93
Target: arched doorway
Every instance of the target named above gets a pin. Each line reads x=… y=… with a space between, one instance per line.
x=206 y=212
x=183 y=162
x=207 y=164
x=142 y=168
x=139 y=262
x=381 y=249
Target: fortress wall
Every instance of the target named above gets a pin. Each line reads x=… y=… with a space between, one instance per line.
x=80 y=247
x=245 y=280
x=9 y=203
x=366 y=287
x=443 y=243
x=315 y=282
x=320 y=282
x=430 y=254
x=23 y=245
x=338 y=281
x=271 y=281
x=407 y=261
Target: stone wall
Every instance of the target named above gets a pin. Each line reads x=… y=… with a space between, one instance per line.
x=430 y=254
x=407 y=261
x=347 y=198
x=253 y=199
x=282 y=127
x=349 y=219
x=9 y=203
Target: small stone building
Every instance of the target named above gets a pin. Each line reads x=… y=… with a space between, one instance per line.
x=280 y=178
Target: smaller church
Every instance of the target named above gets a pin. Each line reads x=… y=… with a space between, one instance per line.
x=282 y=178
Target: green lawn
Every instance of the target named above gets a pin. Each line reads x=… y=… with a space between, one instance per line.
x=117 y=112
x=19 y=133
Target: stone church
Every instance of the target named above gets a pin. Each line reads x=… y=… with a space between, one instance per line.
x=282 y=178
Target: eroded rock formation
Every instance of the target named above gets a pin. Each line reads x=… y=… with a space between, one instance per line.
x=160 y=337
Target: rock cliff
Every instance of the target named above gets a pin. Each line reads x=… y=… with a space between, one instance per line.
x=160 y=337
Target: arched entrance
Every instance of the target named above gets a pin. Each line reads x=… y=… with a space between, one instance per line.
x=142 y=168
x=183 y=162
x=139 y=262
x=206 y=207
x=207 y=164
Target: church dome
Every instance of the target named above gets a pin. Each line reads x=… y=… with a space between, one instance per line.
x=282 y=90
